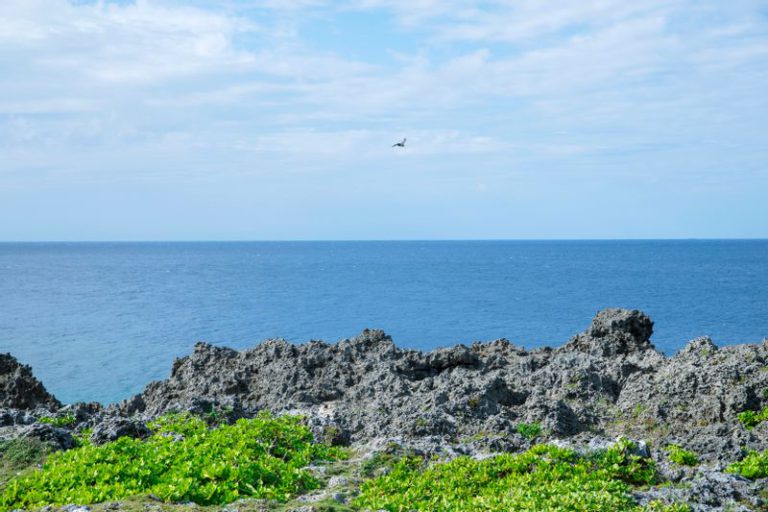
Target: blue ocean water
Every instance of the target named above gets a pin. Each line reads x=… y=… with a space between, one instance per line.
x=98 y=321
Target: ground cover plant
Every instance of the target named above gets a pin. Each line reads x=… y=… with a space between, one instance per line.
x=184 y=460
x=58 y=421
x=754 y=465
x=543 y=478
x=529 y=431
x=679 y=455
x=751 y=419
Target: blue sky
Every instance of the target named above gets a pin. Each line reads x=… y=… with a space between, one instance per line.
x=215 y=120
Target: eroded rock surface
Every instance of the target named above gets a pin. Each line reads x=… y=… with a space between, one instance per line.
x=19 y=389
x=608 y=380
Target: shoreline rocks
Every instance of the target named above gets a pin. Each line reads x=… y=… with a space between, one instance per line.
x=487 y=397
x=608 y=380
x=19 y=389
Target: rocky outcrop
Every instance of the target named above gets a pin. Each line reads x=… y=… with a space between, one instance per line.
x=19 y=389
x=113 y=428
x=615 y=332
x=608 y=380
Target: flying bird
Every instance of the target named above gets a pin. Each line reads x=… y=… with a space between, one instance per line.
x=399 y=144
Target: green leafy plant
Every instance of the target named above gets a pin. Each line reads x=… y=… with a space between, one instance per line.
x=679 y=455
x=184 y=460
x=625 y=464
x=543 y=478
x=529 y=431
x=216 y=414
x=754 y=465
x=750 y=419
x=58 y=421
x=83 y=437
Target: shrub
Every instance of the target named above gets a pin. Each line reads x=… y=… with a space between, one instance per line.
x=529 y=431
x=625 y=465
x=543 y=478
x=681 y=456
x=58 y=421
x=184 y=460
x=754 y=465
x=751 y=419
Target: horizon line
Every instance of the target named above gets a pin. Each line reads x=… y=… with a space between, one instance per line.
x=377 y=240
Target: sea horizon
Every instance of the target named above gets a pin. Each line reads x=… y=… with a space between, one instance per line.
x=91 y=311
x=363 y=240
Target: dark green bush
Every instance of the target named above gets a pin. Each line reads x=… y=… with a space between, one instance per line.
x=543 y=478
x=529 y=430
x=184 y=460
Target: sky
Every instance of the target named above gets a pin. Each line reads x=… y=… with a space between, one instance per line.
x=274 y=119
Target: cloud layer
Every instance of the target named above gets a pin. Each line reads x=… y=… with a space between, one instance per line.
x=202 y=99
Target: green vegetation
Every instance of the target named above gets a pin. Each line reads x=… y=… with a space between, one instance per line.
x=58 y=421
x=754 y=465
x=377 y=462
x=216 y=415
x=679 y=455
x=19 y=454
x=381 y=462
x=543 y=478
x=751 y=419
x=529 y=431
x=184 y=460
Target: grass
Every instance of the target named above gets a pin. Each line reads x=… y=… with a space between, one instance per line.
x=19 y=454
x=543 y=478
x=184 y=460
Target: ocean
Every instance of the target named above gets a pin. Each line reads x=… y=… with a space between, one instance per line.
x=98 y=321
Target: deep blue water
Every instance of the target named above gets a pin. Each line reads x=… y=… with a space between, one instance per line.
x=97 y=321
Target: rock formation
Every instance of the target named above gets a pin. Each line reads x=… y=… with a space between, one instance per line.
x=607 y=381
x=19 y=389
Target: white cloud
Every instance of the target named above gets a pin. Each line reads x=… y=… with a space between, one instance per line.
x=484 y=77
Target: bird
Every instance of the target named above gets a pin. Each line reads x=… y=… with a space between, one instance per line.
x=399 y=144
